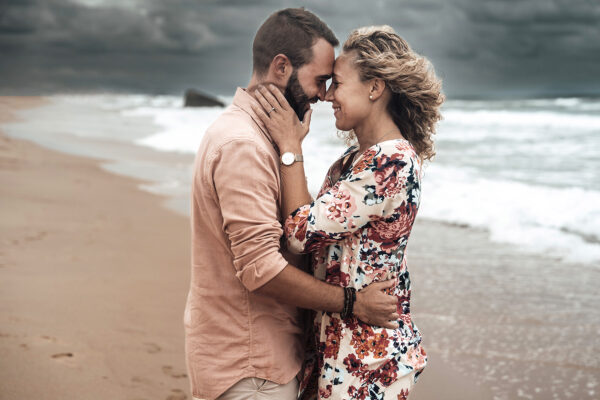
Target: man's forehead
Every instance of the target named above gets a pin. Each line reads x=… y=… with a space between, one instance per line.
x=323 y=59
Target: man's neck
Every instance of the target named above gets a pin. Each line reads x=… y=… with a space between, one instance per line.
x=255 y=81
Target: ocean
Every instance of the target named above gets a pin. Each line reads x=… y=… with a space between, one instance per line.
x=525 y=171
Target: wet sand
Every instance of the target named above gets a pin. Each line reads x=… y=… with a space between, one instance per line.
x=526 y=326
x=94 y=274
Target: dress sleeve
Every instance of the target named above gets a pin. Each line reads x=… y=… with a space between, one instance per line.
x=247 y=187
x=384 y=183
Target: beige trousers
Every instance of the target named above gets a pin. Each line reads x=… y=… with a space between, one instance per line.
x=260 y=389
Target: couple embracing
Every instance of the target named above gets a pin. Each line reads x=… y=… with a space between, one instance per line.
x=294 y=297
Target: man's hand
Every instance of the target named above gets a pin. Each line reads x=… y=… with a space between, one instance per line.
x=375 y=307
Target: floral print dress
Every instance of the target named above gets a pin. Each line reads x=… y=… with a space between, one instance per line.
x=357 y=230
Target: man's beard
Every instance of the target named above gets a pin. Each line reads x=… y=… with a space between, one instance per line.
x=295 y=95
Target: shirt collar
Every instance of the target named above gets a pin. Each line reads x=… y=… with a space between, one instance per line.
x=242 y=100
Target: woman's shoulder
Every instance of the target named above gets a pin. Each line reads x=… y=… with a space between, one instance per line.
x=387 y=147
x=396 y=146
x=394 y=149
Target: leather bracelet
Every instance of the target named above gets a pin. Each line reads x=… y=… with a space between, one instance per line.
x=349 y=299
x=346 y=302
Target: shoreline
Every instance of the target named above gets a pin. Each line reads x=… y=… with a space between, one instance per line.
x=94 y=277
x=156 y=172
x=99 y=236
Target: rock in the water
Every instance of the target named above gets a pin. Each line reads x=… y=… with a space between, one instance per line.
x=194 y=98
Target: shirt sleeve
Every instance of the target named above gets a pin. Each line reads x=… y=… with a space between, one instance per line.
x=247 y=185
x=383 y=185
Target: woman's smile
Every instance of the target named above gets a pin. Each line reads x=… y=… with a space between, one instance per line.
x=336 y=110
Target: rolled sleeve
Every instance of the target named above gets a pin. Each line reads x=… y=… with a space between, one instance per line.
x=296 y=232
x=247 y=186
x=258 y=273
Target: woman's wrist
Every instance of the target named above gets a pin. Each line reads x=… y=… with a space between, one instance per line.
x=295 y=148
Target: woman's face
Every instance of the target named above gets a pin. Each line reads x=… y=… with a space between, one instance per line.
x=349 y=96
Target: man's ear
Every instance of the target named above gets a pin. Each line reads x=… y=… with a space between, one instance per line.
x=280 y=69
x=377 y=88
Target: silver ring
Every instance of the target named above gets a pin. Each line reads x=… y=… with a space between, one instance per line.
x=269 y=112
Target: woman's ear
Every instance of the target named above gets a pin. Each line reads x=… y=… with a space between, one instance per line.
x=377 y=88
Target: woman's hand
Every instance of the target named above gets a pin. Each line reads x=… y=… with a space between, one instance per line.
x=280 y=119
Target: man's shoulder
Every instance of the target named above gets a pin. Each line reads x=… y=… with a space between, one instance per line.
x=234 y=124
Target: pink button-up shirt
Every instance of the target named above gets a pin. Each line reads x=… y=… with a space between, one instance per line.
x=232 y=332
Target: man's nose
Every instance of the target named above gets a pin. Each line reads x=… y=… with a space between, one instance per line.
x=322 y=93
x=329 y=94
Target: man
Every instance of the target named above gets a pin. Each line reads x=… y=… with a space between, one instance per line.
x=243 y=330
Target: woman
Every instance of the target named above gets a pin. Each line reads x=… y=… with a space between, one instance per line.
x=357 y=229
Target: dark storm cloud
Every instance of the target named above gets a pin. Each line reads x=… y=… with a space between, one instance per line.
x=551 y=47
x=479 y=47
x=49 y=25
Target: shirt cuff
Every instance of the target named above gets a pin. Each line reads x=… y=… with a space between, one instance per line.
x=256 y=274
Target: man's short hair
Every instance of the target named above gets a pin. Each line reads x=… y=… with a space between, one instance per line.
x=292 y=32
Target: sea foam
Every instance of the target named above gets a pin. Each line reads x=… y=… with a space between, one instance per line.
x=526 y=171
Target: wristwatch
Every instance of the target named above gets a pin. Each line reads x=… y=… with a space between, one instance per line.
x=288 y=158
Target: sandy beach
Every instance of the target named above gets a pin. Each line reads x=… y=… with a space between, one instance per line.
x=94 y=274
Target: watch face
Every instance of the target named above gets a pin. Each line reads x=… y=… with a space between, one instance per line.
x=287 y=158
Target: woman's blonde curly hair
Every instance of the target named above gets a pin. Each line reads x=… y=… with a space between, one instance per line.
x=416 y=90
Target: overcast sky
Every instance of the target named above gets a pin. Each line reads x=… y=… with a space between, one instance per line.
x=481 y=48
